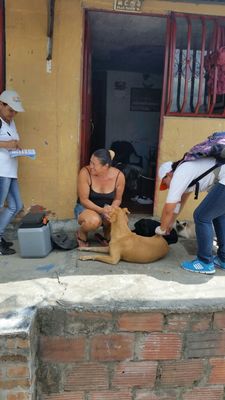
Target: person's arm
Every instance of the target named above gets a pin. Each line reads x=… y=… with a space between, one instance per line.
x=171 y=211
x=119 y=190
x=184 y=199
x=84 y=191
x=9 y=144
x=167 y=217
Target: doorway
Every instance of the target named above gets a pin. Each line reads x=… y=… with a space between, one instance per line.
x=127 y=63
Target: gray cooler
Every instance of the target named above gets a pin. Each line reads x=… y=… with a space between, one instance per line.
x=34 y=236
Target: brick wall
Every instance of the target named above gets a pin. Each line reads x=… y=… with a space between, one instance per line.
x=131 y=356
x=17 y=367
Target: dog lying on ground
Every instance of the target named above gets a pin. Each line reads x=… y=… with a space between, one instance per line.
x=185 y=229
x=126 y=245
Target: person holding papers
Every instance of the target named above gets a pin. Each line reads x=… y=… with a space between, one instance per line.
x=10 y=200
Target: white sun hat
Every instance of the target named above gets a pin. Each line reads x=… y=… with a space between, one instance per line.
x=12 y=98
x=164 y=169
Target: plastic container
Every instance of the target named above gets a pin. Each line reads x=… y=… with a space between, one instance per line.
x=34 y=240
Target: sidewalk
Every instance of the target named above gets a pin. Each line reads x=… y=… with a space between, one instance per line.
x=61 y=278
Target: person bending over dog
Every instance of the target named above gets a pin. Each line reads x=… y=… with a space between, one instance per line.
x=209 y=213
x=100 y=186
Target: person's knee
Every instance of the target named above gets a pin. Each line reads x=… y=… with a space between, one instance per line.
x=198 y=215
x=195 y=216
x=92 y=223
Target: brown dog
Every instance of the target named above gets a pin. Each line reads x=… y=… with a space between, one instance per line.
x=126 y=245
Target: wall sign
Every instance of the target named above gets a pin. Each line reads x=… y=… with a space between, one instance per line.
x=128 y=5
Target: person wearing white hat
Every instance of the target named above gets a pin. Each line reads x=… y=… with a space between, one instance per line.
x=210 y=213
x=10 y=199
x=165 y=174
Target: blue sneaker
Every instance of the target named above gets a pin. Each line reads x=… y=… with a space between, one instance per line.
x=198 y=266
x=218 y=262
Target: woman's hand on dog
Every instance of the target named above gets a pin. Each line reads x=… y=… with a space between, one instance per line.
x=106 y=212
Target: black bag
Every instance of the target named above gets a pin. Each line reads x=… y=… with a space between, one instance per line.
x=62 y=241
x=33 y=220
x=146 y=227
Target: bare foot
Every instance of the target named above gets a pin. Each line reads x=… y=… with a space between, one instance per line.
x=81 y=242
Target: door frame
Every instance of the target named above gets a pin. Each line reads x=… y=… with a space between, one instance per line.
x=86 y=87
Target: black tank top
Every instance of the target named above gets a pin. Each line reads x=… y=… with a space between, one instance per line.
x=100 y=199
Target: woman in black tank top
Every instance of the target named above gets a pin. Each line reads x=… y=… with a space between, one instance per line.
x=100 y=187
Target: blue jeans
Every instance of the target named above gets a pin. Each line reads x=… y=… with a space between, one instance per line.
x=9 y=192
x=78 y=209
x=211 y=212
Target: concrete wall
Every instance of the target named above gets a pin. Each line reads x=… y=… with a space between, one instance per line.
x=52 y=101
x=131 y=356
x=18 y=363
x=65 y=354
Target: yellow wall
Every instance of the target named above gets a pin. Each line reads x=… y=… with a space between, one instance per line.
x=51 y=123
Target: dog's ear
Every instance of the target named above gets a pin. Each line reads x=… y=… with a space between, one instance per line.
x=126 y=211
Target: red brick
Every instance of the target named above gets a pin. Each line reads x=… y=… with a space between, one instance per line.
x=177 y=322
x=87 y=376
x=112 y=347
x=203 y=324
x=217 y=373
x=205 y=344
x=90 y=315
x=23 y=343
x=11 y=343
x=149 y=395
x=110 y=395
x=18 y=396
x=130 y=374
x=219 y=320
x=18 y=371
x=13 y=358
x=14 y=383
x=161 y=346
x=62 y=349
x=64 y=396
x=207 y=393
x=182 y=373
x=148 y=322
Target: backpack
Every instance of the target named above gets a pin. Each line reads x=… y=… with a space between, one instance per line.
x=62 y=241
x=213 y=146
